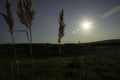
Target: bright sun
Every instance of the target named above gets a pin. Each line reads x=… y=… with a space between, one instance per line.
x=86 y=25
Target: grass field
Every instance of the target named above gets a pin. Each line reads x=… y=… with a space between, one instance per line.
x=76 y=63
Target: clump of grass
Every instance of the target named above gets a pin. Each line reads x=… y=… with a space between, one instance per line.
x=26 y=14
x=61 y=28
x=9 y=20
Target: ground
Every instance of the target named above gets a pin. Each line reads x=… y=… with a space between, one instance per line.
x=76 y=62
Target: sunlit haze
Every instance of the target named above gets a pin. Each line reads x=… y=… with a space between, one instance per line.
x=86 y=25
x=85 y=20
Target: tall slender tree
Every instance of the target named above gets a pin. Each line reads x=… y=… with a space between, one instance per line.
x=61 y=28
x=26 y=14
x=9 y=20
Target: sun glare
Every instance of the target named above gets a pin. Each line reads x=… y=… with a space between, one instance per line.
x=86 y=25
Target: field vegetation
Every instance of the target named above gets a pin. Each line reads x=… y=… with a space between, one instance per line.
x=91 y=61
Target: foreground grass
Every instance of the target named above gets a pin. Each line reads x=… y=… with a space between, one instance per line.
x=98 y=63
x=90 y=67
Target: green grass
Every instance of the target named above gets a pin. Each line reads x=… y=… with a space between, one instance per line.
x=67 y=68
x=101 y=64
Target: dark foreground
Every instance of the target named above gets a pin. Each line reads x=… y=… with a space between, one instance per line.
x=76 y=62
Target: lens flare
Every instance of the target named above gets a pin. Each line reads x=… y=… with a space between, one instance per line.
x=87 y=25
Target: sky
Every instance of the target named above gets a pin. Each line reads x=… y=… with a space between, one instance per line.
x=103 y=14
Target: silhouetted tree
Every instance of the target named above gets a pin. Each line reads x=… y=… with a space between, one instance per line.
x=9 y=20
x=61 y=28
x=26 y=14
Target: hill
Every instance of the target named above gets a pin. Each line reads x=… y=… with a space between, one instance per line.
x=85 y=61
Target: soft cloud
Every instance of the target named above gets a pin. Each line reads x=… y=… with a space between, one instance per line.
x=111 y=12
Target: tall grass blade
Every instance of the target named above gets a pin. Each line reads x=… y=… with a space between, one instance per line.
x=61 y=29
x=26 y=14
x=10 y=22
